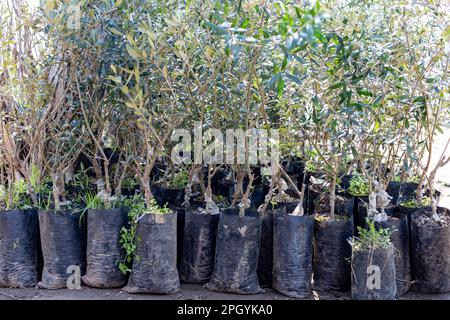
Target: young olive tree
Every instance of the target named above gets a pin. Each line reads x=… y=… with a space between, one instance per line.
x=201 y=77
x=379 y=117
x=98 y=45
x=248 y=89
x=154 y=105
x=311 y=77
x=401 y=93
x=410 y=41
x=242 y=95
x=23 y=94
x=427 y=69
x=64 y=134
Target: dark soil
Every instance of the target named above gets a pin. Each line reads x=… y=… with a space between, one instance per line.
x=427 y=220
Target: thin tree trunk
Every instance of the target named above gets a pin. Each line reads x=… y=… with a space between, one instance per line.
x=107 y=182
x=56 y=193
x=333 y=195
x=148 y=196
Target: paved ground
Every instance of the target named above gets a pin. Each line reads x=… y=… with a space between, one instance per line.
x=188 y=292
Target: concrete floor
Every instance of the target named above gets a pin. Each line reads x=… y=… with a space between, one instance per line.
x=188 y=292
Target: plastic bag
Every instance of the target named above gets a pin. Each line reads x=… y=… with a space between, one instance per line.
x=18 y=248
x=373 y=275
x=63 y=245
x=265 y=259
x=292 y=254
x=199 y=246
x=104 y=252
x=180 y=233
x=173 y=197
x=332 y=254
x=430 y=255
x=401 y=242
x=154 y=268
x=237 y=250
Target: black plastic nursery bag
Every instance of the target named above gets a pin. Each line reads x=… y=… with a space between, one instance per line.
x=104 y=251
x=265 y=259
x=154 y=267
x=19 y=232
x=430 y=254
x=173 y=197
x=332 y=254
x=199 y=246
x=237 y=251
x=63 y=246
x=373 y=274
x=292 y=254
x=398 y=222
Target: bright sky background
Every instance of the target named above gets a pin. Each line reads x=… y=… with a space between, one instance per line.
x=33 y=3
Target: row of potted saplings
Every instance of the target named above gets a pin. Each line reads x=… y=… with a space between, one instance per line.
x=228 y=251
